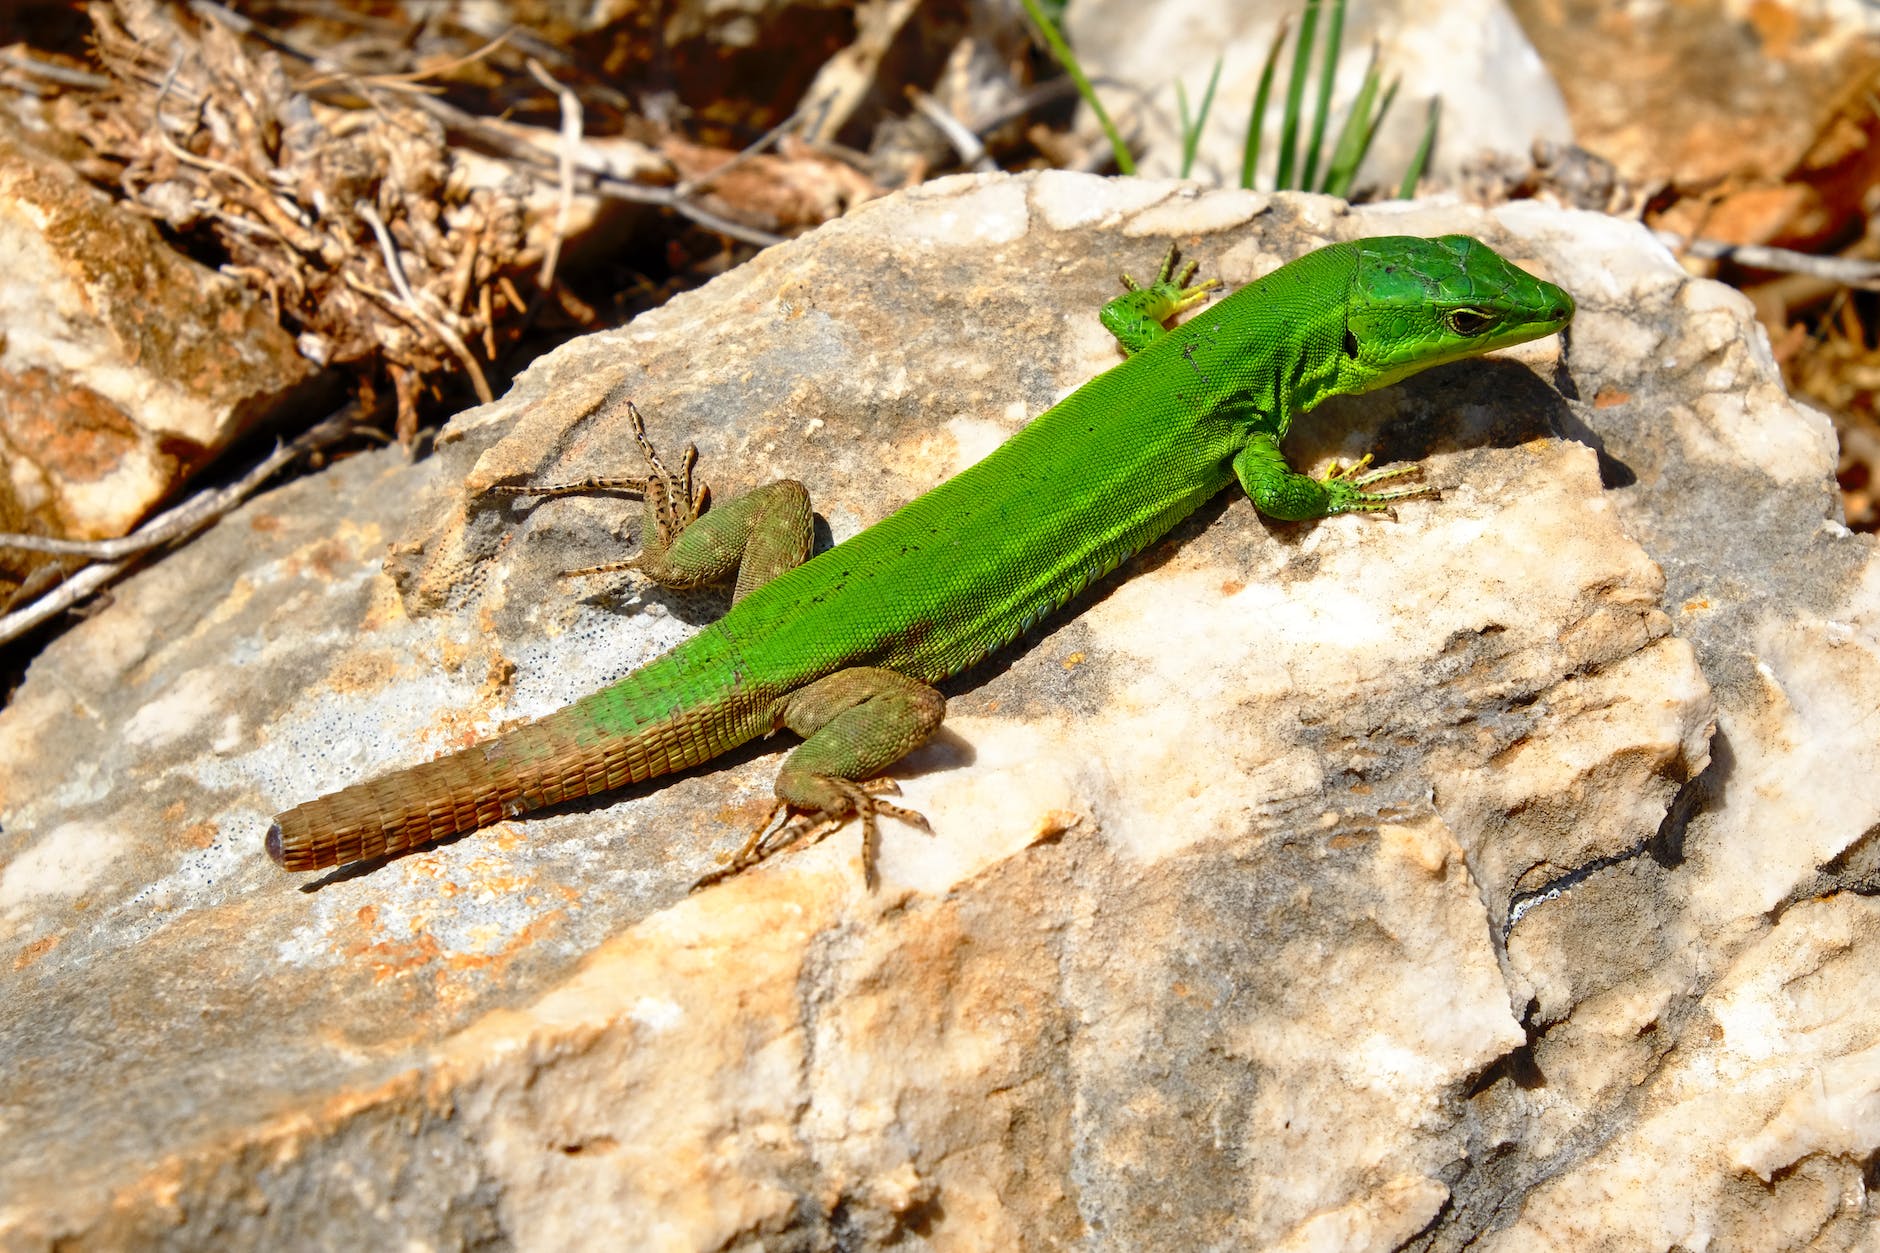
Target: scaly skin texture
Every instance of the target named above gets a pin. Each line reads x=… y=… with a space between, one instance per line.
x=844 y=649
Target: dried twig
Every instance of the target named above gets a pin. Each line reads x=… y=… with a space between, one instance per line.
x=600 y=181
x=564 y=169
x=412 y=306
x=1852 y=271
x=54 y=73
x=510 y=139
x=971 y=152
x=688 y=187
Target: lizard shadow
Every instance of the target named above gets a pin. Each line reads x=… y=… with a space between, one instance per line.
x=1479 y=403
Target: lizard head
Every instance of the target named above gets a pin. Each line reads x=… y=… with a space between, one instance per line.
x=1417 y=302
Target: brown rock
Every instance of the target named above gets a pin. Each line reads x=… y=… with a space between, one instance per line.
x=125 y=367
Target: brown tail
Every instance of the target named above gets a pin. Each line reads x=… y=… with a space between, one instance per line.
x=566 y=755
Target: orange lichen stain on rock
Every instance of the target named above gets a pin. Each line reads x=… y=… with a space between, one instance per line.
x=1609 y=397
x=500 y=679
x=491 y=877
x=364 y=673
x=34 y=951
x=1073 y=661
x=384 y=956
x=485 y=950
x=454 y=993
x=461 y=728
x=334 y=554
x=532 y=933
x=265 y=523
x=78 y=433
x=452 y=653
x=1233 y=587
x=390 y=959
x=195 y=835
x=323 y=558
x=1697 y=604
x=384 y=608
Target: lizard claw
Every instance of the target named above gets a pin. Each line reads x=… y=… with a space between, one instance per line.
x=1347 y=486
x=809 y=827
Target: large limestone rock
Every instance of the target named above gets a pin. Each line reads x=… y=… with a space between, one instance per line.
x=1498 y=875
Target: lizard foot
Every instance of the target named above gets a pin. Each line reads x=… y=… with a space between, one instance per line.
x=1347 y=487
x=809 y=826
x=1172 y=286
x=674 y=500
x=1137 y=316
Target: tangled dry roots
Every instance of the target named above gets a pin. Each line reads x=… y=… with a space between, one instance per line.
x=380 y=244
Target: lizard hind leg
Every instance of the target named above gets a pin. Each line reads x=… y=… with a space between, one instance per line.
x=854 y=723
x=686 y=541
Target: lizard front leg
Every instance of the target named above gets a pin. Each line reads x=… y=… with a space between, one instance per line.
x=1136 y=317
x=685 y=542
x=1279 y=491
x=854 y=723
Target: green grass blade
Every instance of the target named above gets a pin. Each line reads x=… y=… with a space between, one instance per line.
x=1413 y=173
x=1066 y=58
x=1191 y=136
x=1295 y=92
x=1355 y=136
x=1383 y=108
x=1364 y=145
x=1256 y=120
x=1328 y=67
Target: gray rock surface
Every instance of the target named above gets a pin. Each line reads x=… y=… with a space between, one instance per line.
x=1496 y=875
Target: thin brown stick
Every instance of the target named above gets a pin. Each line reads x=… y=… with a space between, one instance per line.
x=595 y=178
x=688 y=187
x=519 y=149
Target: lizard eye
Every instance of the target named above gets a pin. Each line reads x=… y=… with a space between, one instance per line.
x=1468 y=322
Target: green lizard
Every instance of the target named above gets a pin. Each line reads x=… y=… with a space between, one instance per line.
x=844 y=649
